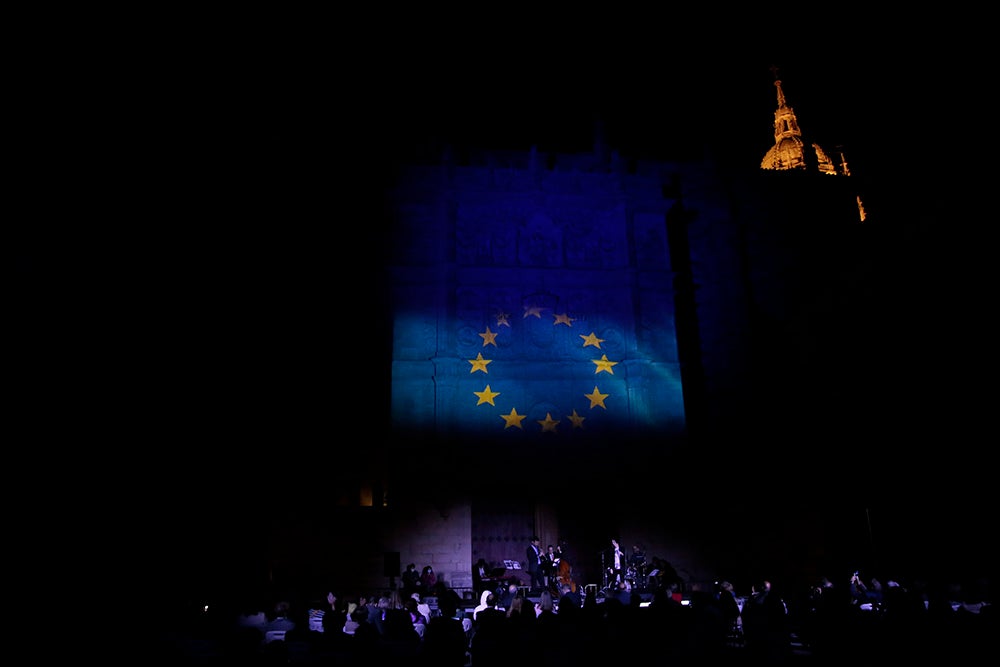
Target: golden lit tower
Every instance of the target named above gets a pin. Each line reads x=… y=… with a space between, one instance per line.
x=790 y=150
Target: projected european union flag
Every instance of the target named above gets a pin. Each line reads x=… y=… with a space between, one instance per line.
x=541 y=317
x=517 y=378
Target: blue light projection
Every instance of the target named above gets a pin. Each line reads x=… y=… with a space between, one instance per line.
x=538 y=312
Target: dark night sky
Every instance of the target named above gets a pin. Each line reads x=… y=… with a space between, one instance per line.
x=326 y=129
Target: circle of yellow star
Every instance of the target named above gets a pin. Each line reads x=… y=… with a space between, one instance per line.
x=548 y=424
x=479 y=364
x=513 y=419
x=604 y=365
x=489 y=338
x=576 y=419
x=486 y=396
x=533 y=310
x=597 y=398
x=591 y=339
x=563 y=319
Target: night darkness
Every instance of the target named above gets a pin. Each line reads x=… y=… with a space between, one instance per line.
x=263 y=197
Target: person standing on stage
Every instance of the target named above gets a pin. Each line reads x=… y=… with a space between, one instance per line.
x=564 y=573
x=638 y=558
x=550 y=565
x=428 y=581
x=617 y=561
x=411 y=580
x=533 y=556
x=562 y=550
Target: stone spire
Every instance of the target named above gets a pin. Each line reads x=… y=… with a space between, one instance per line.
x=790 y=150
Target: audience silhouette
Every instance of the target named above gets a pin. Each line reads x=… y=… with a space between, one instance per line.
x=826 y=624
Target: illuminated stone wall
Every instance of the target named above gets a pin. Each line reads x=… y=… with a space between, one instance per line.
x=533 y=302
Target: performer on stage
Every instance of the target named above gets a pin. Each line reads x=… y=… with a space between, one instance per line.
x=637 y=567
x=638 y=558
x=550 y=565
x=482 y=576
x=533 y=557
x=616 y=563
x=564 y=572
x=562 y=551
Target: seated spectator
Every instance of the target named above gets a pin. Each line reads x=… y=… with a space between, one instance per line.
x=315 y=615
x=510 y=593
x=486 y=600
x=355 y=618
x=252 y=615
x=335 y=616
x=419 y=620
x=422 y=607
x=446 y=639
x=277 y=627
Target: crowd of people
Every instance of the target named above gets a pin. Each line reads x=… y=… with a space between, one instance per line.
x=831 y=623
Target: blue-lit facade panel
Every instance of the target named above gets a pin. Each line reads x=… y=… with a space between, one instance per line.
x=532 y=304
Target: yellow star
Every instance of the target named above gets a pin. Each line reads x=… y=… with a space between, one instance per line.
x=563 y=319
x=597 y=398
x=548 y=424
x=502 y=320
x=591 y=339
x=479 y=364
x=576 y=419
x=489 y=338
x=513 y=419
x=486 y=396
x=533 y=310
x=604 y=365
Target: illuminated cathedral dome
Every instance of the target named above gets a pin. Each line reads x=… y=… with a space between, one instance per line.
x=790 y=151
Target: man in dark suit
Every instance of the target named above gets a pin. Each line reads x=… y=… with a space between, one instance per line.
x=534 y=558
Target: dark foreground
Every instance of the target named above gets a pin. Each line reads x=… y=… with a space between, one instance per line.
x=665 y=636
